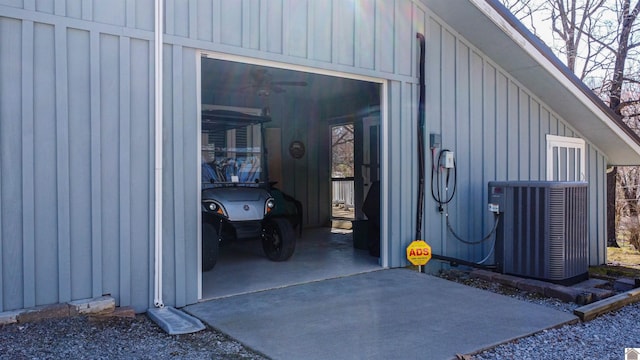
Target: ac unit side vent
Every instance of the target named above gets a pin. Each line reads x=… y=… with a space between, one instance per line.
x=543 y=230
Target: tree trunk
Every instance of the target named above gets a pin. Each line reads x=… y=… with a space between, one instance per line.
x=628 y=18
x=611 y=208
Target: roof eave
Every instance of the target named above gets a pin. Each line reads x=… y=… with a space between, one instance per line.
x=494 y=30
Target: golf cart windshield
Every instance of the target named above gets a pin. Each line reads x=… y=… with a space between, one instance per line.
x=232 y=148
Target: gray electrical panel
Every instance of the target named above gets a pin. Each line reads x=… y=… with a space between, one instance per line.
x=542 y=232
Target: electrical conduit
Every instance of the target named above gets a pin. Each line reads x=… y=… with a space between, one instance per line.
x=420 y=139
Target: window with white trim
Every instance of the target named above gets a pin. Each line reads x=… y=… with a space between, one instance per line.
x=566 y=158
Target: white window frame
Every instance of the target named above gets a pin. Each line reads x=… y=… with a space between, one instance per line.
x=553 y=163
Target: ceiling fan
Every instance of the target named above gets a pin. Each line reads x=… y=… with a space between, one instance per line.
x=263 y=85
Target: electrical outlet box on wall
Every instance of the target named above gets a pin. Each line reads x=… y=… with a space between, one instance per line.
x=448 y=160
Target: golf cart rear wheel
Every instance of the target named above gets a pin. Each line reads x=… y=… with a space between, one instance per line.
x=210 y=246
x=278 y=239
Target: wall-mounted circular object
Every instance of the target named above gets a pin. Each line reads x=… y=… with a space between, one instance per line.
x=296 y=149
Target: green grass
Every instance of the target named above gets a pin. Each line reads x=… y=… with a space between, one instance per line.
x=621 y=262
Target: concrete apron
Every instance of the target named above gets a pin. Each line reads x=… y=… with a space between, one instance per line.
x=386 y=314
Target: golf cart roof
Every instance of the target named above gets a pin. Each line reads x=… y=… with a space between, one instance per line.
x=227 y=118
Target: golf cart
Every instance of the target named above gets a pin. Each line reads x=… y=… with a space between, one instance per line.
x=238 y=201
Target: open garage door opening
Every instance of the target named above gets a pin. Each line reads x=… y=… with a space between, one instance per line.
x=267 y=176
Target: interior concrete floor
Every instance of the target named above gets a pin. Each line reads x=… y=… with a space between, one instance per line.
x=321 y=253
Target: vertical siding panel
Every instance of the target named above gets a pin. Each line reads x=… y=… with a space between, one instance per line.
x=545 y=123
x=28 y=165
x=592 y=161
x=513 y=153
x=62 y=161
x=180 y=16
x=554 y=127
x=489 y=111
x=125 y=256
x=501 y=127
x=394 y=200
x=28 y=5
x=231 y=23
x=87 y=10
x=365 y=34
x=407 y=183
x=419 y=26
x=263 y=25
x=295 y=28
x=251 y=24
x=179 y=259
x=433 y=113
x=477 y=208
x=524 y=133
x=113 y=12
x=130 y=13
x=461 y=149
x=601 y=208
x=204 y=19
x=25 y=89
x=344 y=32
x=144 y=14
x=216 y=21
x=60 y=7
x=169 y=17
x=193 y=19
x=489 y=143
x=448 y=120
x=187 y=292
x=96 y=178
x=2 y=142
x=275 y=31
x=320 y=30
x=45 y=169
x=536 y=147
x=141 y=185
x=110 y=111
x=448 y=89
x=45 y=6
x=79 y=137
x=4 y=114
x=10 y=163
x=74 y=9
x=170 y=162
x=404 y=39
x=385 y=12
x=149 y=175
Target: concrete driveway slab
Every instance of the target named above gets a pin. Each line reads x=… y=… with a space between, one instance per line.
x=386 y=314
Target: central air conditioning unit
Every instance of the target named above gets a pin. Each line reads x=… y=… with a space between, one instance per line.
x=542 y=230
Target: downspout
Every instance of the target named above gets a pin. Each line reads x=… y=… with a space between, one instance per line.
x=159 y=29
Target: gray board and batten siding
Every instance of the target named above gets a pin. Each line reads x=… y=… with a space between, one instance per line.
x=76 y=132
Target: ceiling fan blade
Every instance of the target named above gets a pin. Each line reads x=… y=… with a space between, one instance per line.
x=277 y=89
x=289 y=83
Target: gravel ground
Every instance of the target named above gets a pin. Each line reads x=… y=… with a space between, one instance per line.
x=606 y=337
x=603 y=338
x=113 y=338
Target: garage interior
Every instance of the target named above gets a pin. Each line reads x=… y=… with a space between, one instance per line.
x=323 y=146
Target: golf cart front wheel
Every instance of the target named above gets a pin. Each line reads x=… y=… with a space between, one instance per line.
x=210 y=246
x=278 y=239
